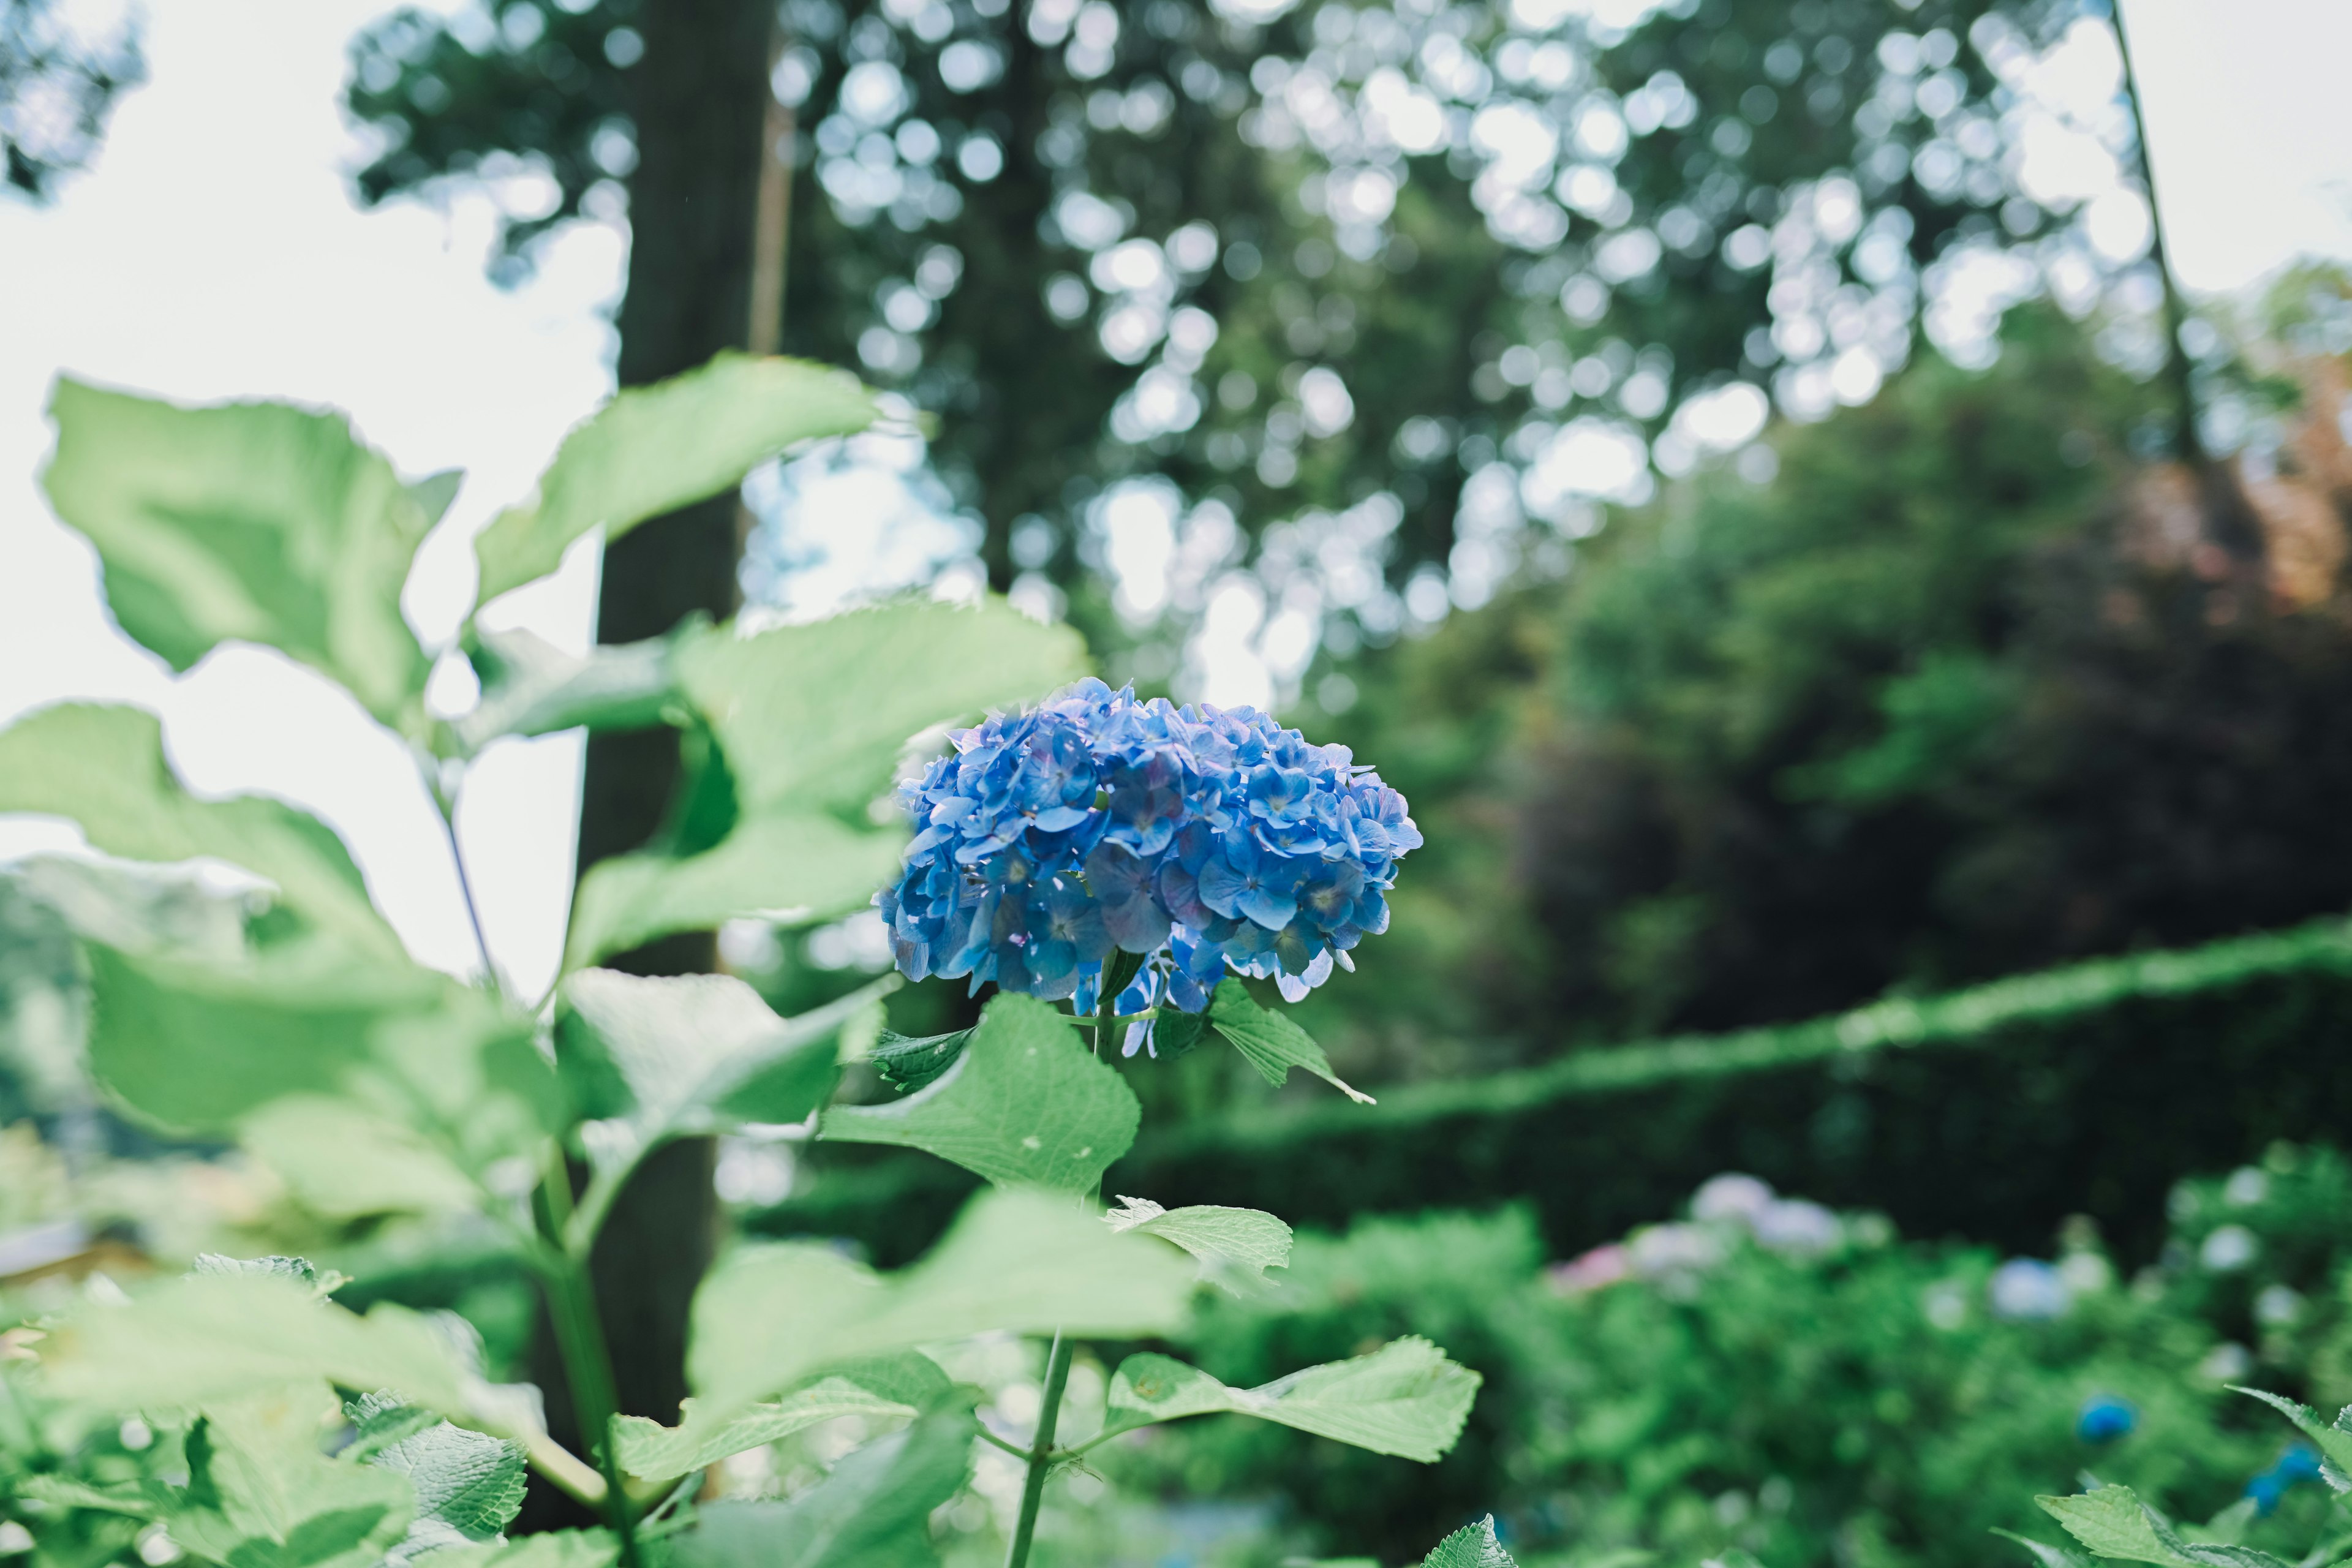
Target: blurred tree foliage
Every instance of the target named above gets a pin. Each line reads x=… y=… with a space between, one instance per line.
x=57 y=83
x=1965 y=688
x=1324 y=262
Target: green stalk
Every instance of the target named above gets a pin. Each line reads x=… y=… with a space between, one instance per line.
x=1041 y=1452
x=587 y=1360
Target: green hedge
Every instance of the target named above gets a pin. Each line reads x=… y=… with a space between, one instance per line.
x=1989 y=1113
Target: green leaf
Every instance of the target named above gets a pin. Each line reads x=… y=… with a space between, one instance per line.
x=1273 y=1044
x=1175 y=1034
x=253 y=521
x=767 y=1317
x=811 y=720
x=301 y=1270
x=104 y=768
x=1472 y=1546
x=1025 y=1105
x=681 y=1045
x=429 y=1084
x=530 y=687
x=906 y=1062
x=202 y=1340
x=552 y=1549
x=468 y=1484
x=1236 y=1246
x=790 y=868
x=1405 y=1398
x=815 y=716
x=2334 y=1440
x=2112 y=1523
x=260 y=1494
x=873 y=1511
x=2045 y=1554
x=653 y=450
x=893 y=1387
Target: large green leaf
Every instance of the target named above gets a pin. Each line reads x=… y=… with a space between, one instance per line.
x=680 y=1046
x=254 y=522
x=530 y=687
x=873 y=1511
x=1236 y=1246
x=552 y=1549
x=1405 y=1398
x=202 y=1340
x=656 y=449
x=811 y=720
x=104 y=768
x=2112 y=1523
x=767 y=1317
x=430 y=1085
x=1027 y=1104
x=884 y=1388
x=1472 y=1546
x=1271 y=1042
x=790 y=866
x=815 y=716
x=468 y=1484
x=260 y=1494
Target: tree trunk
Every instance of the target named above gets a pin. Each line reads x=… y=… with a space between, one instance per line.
x=705 y=159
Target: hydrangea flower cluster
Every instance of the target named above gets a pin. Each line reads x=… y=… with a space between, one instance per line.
x=1205 y=839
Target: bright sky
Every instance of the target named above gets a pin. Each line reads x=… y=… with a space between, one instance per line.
x=215 y=252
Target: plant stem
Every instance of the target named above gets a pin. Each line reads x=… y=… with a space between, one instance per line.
x=446 y=806
x=587 y=1360
x=1041 y=1451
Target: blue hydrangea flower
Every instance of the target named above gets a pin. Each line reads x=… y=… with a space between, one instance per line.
x=2299 y=1463
x=1207 y=841
x=2105 y=1417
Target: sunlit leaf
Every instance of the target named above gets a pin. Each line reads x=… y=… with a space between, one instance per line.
x=767 y=1317
x=653 y=450
x=552 y=1548
x=468 y=1484
x=815 y=716
x=790 y=866
x=873 y=1511
x=1272 y=1043
x=2043 y=1553
x=530 y=687
x=2112 y=1523
x=1472 y=1546
x=682 y=1046
x=254 y=522
x=906 y=1061
x=260 y=1494
x=199 y=1341
x=434 y=1084
x=104 y=768
x=1405 y=1398
x=887 y=1388
x=1236 y=1246
x=1026 y=1104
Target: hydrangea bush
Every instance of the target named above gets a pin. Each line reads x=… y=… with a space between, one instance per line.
x=1092 y=849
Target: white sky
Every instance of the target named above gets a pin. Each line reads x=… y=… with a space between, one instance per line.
x=215 y=252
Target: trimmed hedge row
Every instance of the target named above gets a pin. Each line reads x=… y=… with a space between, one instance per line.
x=1989 y=1113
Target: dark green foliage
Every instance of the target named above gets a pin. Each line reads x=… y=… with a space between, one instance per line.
x=1860 y=1402
x=2081 y=1090
x=1965 y=691
x=1451 y=320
